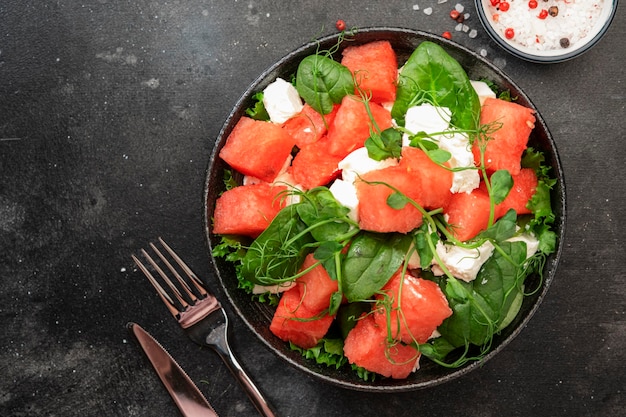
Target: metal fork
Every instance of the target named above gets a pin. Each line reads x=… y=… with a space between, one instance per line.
x=200 y=314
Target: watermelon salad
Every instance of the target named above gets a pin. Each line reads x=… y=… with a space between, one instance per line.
x=388 y=210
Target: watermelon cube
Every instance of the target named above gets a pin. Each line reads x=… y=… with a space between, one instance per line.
x=468 y=213
x=435 y=180
x=367 y=346
x=257 y=148
x=418 y=307
x=248 y=209
x=313 y=165
x=510 y=124
x=309 y=126
x=316 y=286
x=352 y=125
x=375 y=69
x=294 y=322
x=374 y=212
x=524 y=186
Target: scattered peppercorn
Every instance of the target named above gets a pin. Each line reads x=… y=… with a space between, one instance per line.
x=447 y=35
x=532 y=4
x=494 y=3
x=564 y=42
x=553 y=11
x=509 y=33
x=454 y=14
x=504 y=6
x=340 y=25
x=543 y=14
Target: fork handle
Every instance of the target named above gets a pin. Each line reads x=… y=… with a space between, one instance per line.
x=255 y=395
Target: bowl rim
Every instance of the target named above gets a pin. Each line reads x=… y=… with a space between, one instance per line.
x=544 y=59
x=389 y=385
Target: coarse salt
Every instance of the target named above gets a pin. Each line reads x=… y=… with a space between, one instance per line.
x=556 y=29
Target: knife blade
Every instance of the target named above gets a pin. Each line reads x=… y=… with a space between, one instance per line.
x=190 y=401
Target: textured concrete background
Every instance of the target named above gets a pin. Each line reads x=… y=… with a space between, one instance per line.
x=108 y=113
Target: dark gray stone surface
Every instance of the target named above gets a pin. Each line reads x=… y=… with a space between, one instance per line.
x=108 y=113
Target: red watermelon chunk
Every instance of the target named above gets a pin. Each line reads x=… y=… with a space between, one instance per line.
x=375 y=68
x=352 y=125
x=435 y=180
x=468 y=213
x=247 y=210
x=524 y=187
x=257 y=148
x=316 y=286
x=423 y=307
x=309 y=126
x=314 y=166
x=374 y=213
x=293 y=322
x=366 y=346
x=512 y=124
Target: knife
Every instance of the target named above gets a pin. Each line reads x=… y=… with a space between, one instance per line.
x=183 y=391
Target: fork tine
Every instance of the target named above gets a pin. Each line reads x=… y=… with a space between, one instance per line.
x=165 y=277
x=194 y=279
x=186 y=288
x=169 y=303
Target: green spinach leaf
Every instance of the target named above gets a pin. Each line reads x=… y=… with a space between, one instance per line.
x=327 y=219
x=279 y=251
x=421 y=238
x=501 y=184
x=501 y=230
x=387 y=144
x=482 y=305
x=371 y=260
x=432 y=75
x=323 y=82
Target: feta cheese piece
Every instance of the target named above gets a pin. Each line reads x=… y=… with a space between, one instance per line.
x=532 y=243
x=425 y=118
x=358 y=163
x=274 y=289
x=414 y=261
x=462 y=263
x=483 y=91
x=461 y=157
x=345 y=193
x=286 y=179
x=281 y=100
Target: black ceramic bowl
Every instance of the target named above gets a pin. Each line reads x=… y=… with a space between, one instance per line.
x=258 y=316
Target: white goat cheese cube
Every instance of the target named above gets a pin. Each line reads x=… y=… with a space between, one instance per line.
x=483 y=91
x=274 y=289
x=425 y=118
x=345 y=193
x=286 y=179
x=461 y=157
x=532 y=243
x=281 y=100
x=358 y=163
x=462 y=263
